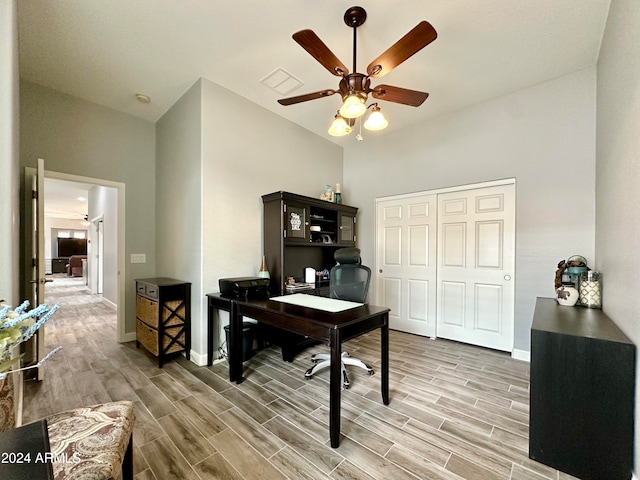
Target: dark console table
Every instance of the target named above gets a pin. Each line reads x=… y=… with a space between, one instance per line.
x=582 y=392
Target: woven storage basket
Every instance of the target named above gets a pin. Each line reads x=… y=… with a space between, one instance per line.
x=147 y=310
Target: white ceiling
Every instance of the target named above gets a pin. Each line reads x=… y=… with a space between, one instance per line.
x=62 y=199
x=106 y=51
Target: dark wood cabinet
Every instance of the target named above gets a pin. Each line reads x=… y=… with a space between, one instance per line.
x=302 y=232
x=163 y=316
x=346 y=229
x=297 y=223
x=59 y=264
x=582 y=392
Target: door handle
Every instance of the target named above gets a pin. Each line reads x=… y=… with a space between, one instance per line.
x=41 y=281
x=507 y=277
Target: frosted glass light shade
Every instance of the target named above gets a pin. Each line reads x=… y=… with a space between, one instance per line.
x=353 y=107
x=376 y=120
x=339 y=127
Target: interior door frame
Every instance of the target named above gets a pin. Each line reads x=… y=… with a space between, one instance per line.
x=96 y=262
x=120 y=257
x=457 y=188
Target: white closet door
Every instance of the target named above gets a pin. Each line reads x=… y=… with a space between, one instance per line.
x=406 y=262
x=476 y=260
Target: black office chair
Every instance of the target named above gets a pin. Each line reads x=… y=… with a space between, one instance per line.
x=349 y=280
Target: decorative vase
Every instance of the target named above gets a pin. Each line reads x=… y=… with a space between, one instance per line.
x=263 y=273
x=567 y=295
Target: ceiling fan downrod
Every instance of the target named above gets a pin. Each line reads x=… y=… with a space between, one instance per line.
x=354 y=17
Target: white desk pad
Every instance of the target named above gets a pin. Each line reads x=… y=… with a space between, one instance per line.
x=332 y=305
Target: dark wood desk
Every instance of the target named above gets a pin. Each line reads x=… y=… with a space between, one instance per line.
x=331 y=328
x=23 y=453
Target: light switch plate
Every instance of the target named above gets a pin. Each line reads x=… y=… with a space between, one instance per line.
x=138 y=258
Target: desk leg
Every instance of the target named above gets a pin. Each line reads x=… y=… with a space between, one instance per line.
x=335 y=387
x=210 y=314
x=234 y=349
x=384 y=354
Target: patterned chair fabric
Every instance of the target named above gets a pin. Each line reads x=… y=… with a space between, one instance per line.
x=93 y=443
x=7 y=404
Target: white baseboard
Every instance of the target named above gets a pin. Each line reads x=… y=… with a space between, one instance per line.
x=523 y=355
x=110 y=304
x=129 y=337
x=633 y=476
x=200 y=359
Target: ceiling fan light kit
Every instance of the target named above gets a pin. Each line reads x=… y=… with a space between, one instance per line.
x=353 y=107
x=354 y=88
x=339 y=127
x=376 y=120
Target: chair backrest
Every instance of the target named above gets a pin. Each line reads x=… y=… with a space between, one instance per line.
x=349 y=280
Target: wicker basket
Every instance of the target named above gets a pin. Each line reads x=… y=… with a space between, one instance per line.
x=148 y=337
x=147 y=310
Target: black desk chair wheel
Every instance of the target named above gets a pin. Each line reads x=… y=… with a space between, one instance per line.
x=349 y=280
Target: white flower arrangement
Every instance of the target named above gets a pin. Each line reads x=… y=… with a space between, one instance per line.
x=17 y=326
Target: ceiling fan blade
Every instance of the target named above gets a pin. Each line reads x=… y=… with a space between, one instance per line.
x=414 y=41
x=318 y=50
x=404 y=96
x=306 y=97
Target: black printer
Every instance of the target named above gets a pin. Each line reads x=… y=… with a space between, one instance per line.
x=244 y=288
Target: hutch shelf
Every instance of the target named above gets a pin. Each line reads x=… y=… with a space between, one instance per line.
x=302 y=232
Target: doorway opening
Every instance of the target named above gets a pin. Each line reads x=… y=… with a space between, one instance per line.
x=103 y=271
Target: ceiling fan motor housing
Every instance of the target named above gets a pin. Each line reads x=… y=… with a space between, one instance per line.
x=355 y=84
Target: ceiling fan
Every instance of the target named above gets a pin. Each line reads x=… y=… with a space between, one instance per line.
x=354 y=88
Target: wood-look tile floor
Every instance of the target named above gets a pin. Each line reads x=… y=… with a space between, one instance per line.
x=456 y=411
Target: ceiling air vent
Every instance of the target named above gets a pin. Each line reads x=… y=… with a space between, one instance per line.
x=281 y=81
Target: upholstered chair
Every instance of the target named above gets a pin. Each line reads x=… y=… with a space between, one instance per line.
x=96 y=441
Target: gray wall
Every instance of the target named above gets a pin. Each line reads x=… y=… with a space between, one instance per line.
x=9 y=159
x=179 y=202
x=543 y=136
x=618 y=174
x=81 y=138
x=209 y=210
